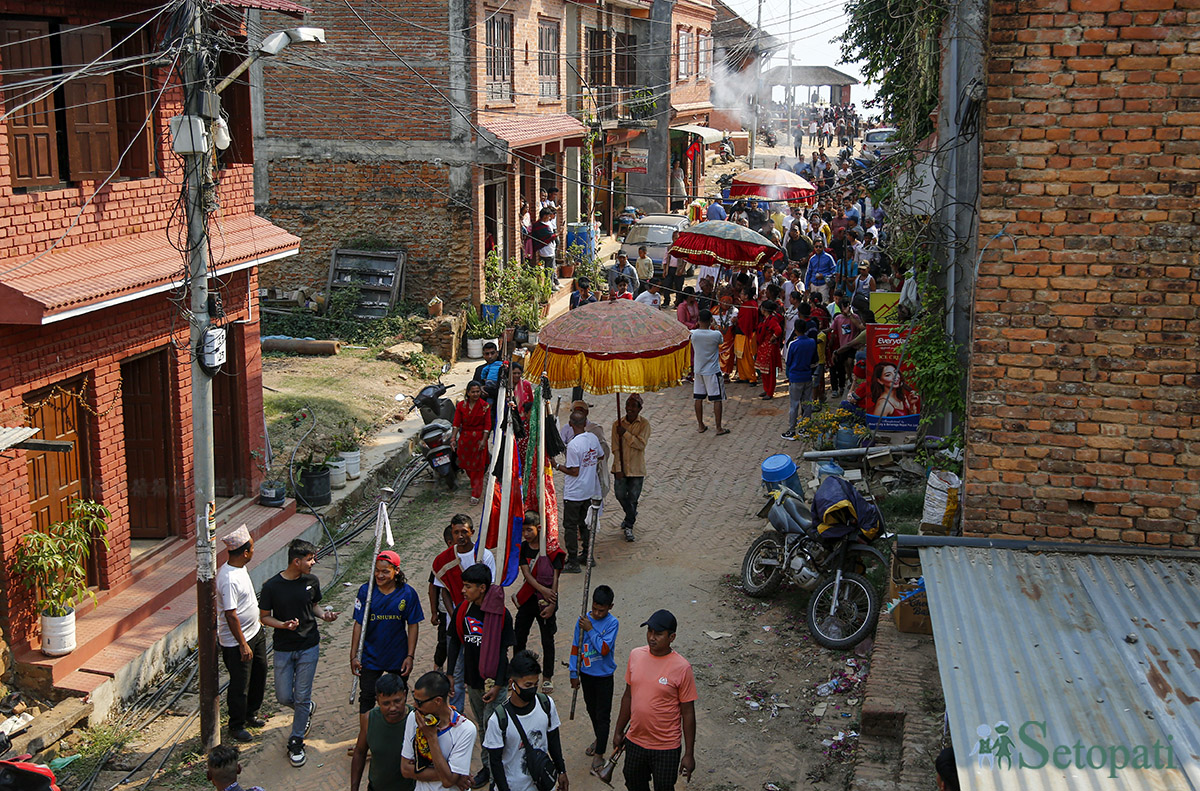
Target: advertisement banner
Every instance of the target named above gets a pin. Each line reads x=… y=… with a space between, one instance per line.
x=889 y=402
x=883 y=305
x=631 y=160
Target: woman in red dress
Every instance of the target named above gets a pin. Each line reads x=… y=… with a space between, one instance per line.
x=769 y=337
x=471 y=436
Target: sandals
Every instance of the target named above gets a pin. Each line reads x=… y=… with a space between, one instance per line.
x=722 y=432
x=591 y=749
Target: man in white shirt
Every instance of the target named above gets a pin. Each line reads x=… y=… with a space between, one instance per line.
x=437 y=755
x=528 y=721
x=650 y=296
x=582 y=485
x=241 y=636
x=706 y=360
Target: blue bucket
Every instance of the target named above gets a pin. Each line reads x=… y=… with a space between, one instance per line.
x=827 y=469
x=780 y=470
x=489 y=312
x=845 y=439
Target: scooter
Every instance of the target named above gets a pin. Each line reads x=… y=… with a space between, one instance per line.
x=726 y=149
x=438 y=413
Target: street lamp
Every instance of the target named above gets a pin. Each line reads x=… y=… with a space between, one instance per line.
x=272 y=45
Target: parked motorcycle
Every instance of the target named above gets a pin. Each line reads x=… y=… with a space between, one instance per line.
x=437 y=412
x=829 y=559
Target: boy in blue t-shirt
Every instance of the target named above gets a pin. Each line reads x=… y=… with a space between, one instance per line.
x=593 y=665
x=391 y=638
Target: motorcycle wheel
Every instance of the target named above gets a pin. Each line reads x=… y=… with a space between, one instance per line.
x=845 y=625
x=758 y=580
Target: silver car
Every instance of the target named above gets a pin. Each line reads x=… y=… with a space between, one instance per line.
x=880 y=143
x=654 y=232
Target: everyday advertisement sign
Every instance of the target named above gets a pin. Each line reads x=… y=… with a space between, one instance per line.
x=891 y=404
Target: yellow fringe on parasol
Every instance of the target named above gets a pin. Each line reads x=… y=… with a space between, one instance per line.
x=600 y=376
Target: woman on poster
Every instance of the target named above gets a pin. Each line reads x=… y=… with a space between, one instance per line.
x=889 y=395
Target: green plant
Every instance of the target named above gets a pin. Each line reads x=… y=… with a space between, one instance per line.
x=425 y=365
x=53 y=565
x=310 y=463
x=350 y=436
x=642 y=103
x=587 y=266
x=477 y=328
x=342 y=303
x=265 y=466
x=515 y=287
x=899 y=46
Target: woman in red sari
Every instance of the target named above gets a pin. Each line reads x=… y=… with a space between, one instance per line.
x=769 y=337
x=471 y=436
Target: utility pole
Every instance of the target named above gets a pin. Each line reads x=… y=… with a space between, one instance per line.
x=196 y=172
x=757 y=82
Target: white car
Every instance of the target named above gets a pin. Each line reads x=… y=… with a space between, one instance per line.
x=879 y=143
x=654 y=232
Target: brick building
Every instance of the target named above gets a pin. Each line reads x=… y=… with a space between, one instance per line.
x=398 y=135
x=1085 y=365
x=93 y=346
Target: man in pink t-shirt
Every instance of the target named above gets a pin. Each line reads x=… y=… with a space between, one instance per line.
x=659 y=709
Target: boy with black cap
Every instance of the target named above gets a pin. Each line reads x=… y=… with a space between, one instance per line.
x=659 y=708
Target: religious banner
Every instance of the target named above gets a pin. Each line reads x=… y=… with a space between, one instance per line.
x=888 y=401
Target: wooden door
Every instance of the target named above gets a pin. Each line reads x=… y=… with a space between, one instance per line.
x=56 y=479
x=144 y=387
x=227 y=445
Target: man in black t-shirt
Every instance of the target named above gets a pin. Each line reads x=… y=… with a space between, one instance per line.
x=290 y=604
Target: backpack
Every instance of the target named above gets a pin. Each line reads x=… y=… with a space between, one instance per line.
x=541 y=767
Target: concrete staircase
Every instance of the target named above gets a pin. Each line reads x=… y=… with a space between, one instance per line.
x=133 y=633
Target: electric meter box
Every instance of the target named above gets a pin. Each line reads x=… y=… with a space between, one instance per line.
x=212 y=348
x=189 y=135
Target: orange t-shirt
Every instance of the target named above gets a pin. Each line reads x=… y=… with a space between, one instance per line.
x=658 y=684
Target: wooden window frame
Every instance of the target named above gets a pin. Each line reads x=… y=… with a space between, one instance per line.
x=498 y=60
x=684 y=65
x=549 y=56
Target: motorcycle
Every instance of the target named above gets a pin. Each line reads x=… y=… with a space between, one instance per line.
x=437 y=412
x=830 y=560
x=725 y=150
x=769 y=137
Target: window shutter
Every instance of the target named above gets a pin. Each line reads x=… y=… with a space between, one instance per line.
x=90 y=107
x=32 y=136
x=133 y=100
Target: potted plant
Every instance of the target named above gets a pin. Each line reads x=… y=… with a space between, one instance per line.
x=477 y=331
x=272 y=492
x=337 y=470
x=642 y=103
x=347 y=444
x=53 y=566
x=435 y=307
x=313 y=488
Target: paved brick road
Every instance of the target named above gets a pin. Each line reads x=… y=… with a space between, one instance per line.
x=697 y=517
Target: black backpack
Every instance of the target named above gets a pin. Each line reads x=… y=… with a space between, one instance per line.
x=541 y=766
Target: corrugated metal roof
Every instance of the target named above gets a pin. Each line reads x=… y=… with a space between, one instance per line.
x=282 y=6
x=807 y=75
x=12 y=436
x=125 y=265
x=1103 y=650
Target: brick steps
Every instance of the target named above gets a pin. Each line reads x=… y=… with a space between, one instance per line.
x=125 y=623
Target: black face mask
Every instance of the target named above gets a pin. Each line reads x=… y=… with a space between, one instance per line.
x=525 y=695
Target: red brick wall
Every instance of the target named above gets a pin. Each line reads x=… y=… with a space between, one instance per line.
x=696 y=17
x=1084 y=420
x=93 y=346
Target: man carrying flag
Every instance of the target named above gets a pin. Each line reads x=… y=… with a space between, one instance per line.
x=447 y=578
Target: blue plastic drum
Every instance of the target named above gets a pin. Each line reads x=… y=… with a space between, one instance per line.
x=580 y=233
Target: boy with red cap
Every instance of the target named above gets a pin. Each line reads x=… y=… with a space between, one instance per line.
x=392 y=625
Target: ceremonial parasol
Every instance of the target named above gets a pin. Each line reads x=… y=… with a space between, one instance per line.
x=620 y=346
x=771 y=184
x=724 y=243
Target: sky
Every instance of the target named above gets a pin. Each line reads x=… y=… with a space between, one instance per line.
x=815 y=24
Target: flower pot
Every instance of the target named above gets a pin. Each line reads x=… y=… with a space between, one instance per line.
x=533 y=337
x=435 y=308
x=272 y=494
x=475 y=348
x=314 y=487
x=337 y=473
x=486 y=341
x=566 y=270
x=353 y=463
x=58 y=634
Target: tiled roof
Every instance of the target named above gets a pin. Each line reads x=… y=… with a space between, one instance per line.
x=282 y=6
x=126 y=267
x=525 y=131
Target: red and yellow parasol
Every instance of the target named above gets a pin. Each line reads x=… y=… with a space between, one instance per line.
x=620 y=346
x=773 y=184
x=724 y=243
